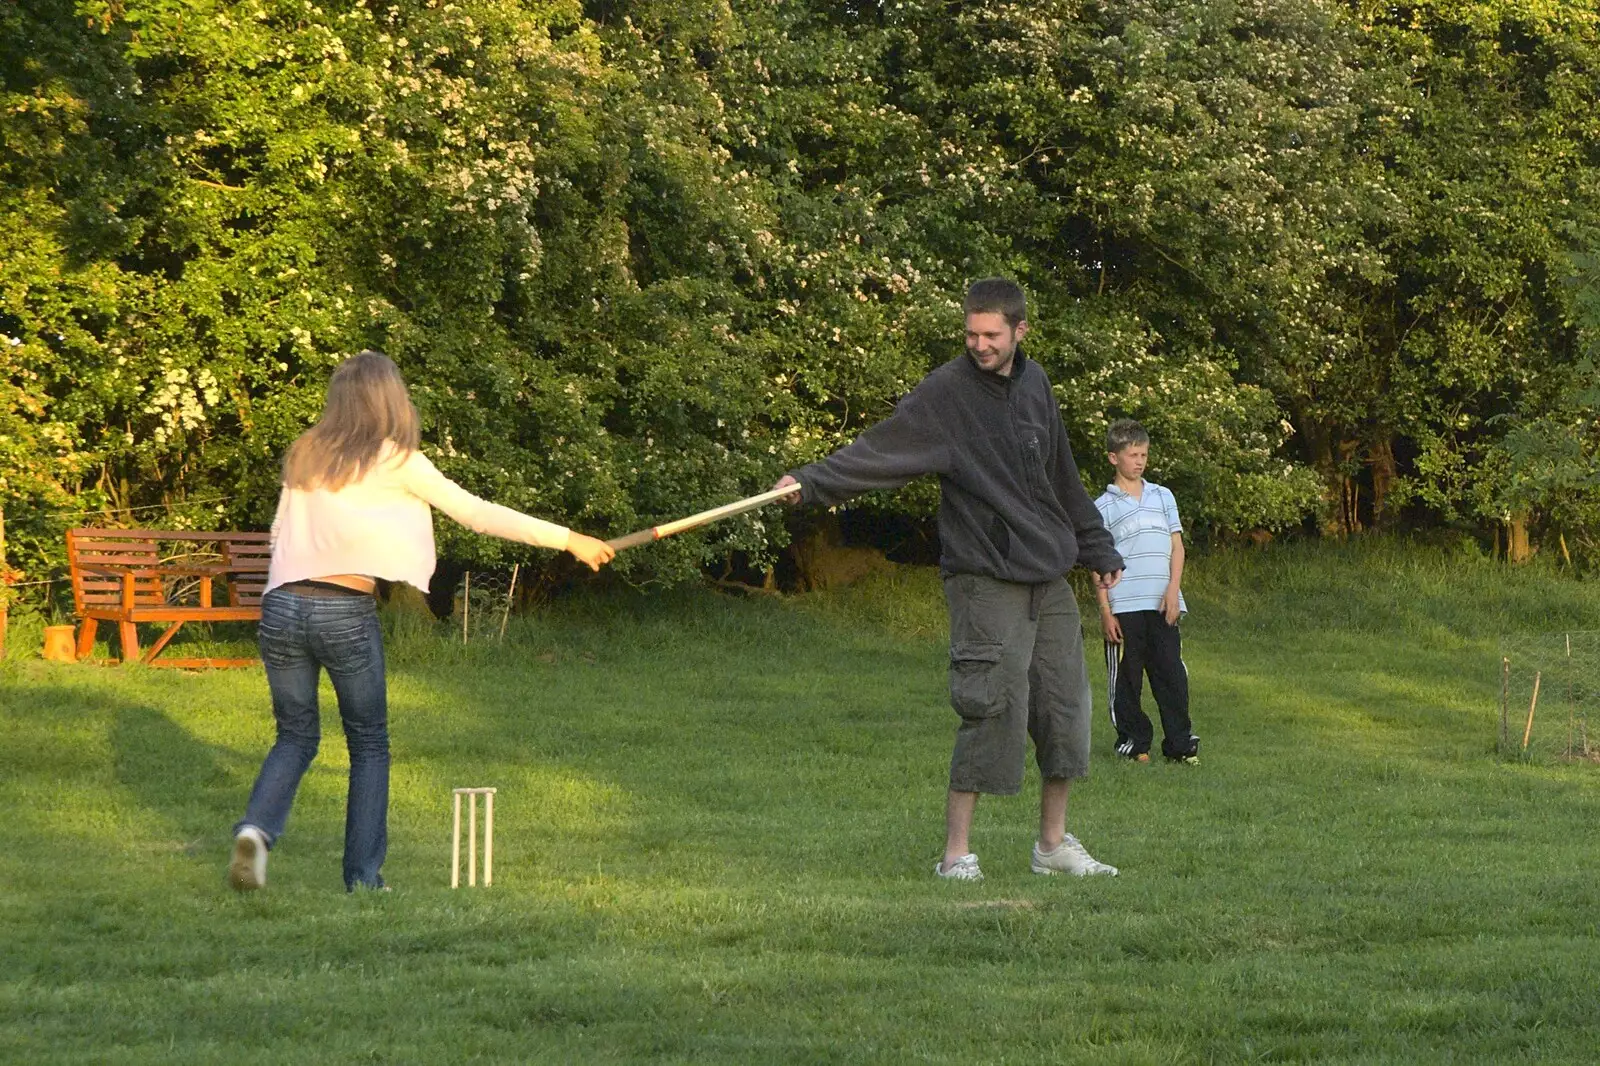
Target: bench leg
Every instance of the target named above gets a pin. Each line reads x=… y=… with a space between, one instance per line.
x=86 y=637
x=130 y=641
x=161 y=642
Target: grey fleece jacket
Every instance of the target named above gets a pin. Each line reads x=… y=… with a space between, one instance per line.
x=1011 y=503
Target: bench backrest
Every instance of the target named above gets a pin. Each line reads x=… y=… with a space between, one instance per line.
x=247 y=560
x=113 y=550
x=141 y=549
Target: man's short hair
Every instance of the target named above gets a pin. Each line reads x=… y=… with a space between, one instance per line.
x=1124 y=433
x=1000 y=296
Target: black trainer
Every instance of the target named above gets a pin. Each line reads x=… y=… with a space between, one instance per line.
x=1125 y=749
x=1187 y=758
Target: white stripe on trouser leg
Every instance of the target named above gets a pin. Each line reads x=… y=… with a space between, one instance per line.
x=1193 y=740
x=1111 y=684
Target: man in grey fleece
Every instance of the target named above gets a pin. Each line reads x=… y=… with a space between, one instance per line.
x=1013 y=519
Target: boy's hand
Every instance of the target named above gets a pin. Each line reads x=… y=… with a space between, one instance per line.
x=588 y=551
x=1169 y=607
x=1113 y=629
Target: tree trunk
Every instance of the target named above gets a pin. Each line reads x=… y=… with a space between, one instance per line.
x=1518 y=547
x=1319 y=441
x=1349 y=488
x=1385 y=471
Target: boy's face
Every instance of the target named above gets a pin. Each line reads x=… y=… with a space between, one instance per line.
x=1130 y=461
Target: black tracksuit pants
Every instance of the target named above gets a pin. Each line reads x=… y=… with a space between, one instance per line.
x=1149 y=646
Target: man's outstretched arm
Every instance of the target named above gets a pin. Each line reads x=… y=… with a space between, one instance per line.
x=902 y=447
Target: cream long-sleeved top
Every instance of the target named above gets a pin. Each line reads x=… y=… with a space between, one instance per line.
x=381 y=525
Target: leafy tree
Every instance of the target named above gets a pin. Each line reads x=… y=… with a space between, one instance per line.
x=1141 y=168
x=1491 y=158
x=69 y=153
x=637 y=257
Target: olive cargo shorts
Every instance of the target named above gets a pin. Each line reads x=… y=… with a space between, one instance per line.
x=1016 y=671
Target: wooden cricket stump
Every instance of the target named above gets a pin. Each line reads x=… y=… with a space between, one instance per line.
x=472 y=795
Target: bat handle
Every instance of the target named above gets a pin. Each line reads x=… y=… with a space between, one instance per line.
x=632 y=540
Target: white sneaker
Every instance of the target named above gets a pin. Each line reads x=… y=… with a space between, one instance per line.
x=963 y=869
x=1069 y=858
x=248 y=870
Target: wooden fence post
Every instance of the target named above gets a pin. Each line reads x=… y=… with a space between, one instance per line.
x=1505 y=701
x=1527 y=732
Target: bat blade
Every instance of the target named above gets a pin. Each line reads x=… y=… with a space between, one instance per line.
x=694 y=521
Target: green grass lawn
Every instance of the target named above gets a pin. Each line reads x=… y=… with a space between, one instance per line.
x=717 y=820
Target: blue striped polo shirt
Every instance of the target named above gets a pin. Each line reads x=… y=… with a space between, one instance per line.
x=1142 y=528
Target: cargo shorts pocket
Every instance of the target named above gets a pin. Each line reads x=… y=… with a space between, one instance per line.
x=975 y=689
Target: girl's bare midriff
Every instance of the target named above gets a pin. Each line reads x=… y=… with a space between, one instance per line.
x=359 y=582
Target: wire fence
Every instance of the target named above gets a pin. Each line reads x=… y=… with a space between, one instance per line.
x=484 y=600
x=1549 y=692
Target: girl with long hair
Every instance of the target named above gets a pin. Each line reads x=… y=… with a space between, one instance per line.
x=355 y=507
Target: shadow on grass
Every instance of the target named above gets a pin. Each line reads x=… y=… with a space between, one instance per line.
x=102 y=788
x=171 y=774
x=672 y=734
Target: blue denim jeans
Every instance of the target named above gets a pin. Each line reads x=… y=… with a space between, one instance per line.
x=299 y=637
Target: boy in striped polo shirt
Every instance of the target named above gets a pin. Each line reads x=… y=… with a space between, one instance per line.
x=1140 y=615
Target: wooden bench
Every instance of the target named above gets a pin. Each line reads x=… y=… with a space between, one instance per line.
x=128 y=576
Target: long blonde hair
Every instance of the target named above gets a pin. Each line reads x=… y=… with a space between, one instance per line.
x=367 y=405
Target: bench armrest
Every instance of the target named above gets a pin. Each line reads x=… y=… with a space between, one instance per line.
x=118 y=571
